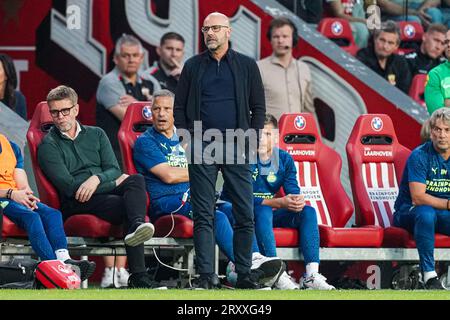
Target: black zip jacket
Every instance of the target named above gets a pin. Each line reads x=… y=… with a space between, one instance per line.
x=250 y=101
x=396 y=67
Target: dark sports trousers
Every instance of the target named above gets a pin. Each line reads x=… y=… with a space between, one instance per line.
x=202 y=179
x=126 y=205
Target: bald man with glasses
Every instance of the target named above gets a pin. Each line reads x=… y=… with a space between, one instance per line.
x=221 y=89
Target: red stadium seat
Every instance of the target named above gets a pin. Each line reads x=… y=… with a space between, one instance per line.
x=11 y=230
x=82 y=225
x=417 y=89
x=319 y=169
x=137 y=119
x=411 y=36
x=376 y=161
x=339 y=31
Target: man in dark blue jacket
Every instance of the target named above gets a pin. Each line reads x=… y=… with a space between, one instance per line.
x=223 y=90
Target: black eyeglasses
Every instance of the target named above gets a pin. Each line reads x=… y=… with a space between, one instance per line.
x=64 y=112
x=215 y=28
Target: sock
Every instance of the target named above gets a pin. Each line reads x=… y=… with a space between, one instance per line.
x=428 y=275
x=312 y=267
x=62 y=254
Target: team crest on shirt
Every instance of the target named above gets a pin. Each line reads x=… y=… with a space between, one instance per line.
x=377 y=124
x=300 y=123
x=391 y=79
x=255 y=174
x=337 y=28
x=271 y=177
x=147 y=112
x=409 y=30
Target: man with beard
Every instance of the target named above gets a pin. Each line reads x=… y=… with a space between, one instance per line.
x=221 y=89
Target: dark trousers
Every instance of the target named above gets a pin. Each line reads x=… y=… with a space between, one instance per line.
x=238 y=180
x=126 y=205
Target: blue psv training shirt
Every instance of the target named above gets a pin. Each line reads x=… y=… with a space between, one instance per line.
x=268 y=177
x=425 y=166
x=153 y=148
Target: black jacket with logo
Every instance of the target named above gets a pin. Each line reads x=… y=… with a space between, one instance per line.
x=397 y=69
x=422 y=63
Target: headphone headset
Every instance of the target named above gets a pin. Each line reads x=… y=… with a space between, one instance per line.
x=281 y=22
x=284 y=21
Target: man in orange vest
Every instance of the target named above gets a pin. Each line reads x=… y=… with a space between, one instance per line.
x=43 y=224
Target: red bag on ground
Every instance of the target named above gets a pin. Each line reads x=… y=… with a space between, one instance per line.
x=56 y=274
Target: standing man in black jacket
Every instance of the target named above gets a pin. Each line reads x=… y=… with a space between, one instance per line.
x=220 y=89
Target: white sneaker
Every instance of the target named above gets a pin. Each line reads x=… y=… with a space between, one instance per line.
x=269 y=268
x=285 y=282
x=108 y=281
x=123 y=276
x=315 y=282
x=142 y=233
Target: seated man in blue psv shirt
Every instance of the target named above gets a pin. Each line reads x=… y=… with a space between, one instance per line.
x=423 y=202
x=159 y=156
x=276 y=169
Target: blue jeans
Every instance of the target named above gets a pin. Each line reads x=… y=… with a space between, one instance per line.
x=424 y=222
x=222 y=228
x=266 y=219
x=44 y=227
x=305 y=222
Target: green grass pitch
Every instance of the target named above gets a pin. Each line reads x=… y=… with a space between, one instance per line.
x=175 y=294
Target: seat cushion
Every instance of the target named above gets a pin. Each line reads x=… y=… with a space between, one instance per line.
x=286 y=237
x=369 y=236
x=90 y=226
x=395 y=237
x=10 y=229
x=183 y=227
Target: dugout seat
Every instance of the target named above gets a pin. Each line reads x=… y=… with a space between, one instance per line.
x=318 y=173
x=81 y=225
x=136 y=121
x=376 y=161
x=340 y=32
x=411 y=33
x=417 y=89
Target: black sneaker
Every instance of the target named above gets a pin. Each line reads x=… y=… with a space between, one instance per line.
x=86 y=268
x=434 y=284
x=142 y=233
x=143 y=280
x=206 y=282
x=249 y=282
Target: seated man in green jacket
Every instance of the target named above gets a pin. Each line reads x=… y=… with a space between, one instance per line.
x=437 y=88
x=80 y=163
